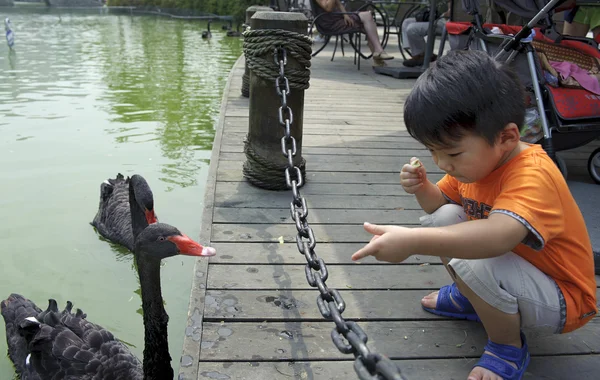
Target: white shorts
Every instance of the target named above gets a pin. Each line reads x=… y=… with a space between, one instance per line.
x=508 y=282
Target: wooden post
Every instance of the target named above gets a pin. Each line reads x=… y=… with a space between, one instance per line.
x=246 y=77
x=263 y=145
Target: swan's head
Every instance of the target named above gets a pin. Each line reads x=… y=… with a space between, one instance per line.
x=161 y=240
x=144 y=197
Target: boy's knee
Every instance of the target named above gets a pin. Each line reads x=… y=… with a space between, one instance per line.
x=446 y=215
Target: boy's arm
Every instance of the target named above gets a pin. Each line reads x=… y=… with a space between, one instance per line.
x=430 y=197
x=477 y=239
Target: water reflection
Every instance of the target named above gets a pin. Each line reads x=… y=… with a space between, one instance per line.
x=82 y=97
x=165 y=73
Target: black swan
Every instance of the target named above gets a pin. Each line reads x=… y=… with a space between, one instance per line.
x=126 y=208
x=51 y=344
x=207 y=33
x=234 y=33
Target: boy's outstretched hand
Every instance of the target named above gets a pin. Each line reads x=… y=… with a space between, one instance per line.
x=389 y=243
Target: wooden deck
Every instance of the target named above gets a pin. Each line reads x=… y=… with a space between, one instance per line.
x=253 y=315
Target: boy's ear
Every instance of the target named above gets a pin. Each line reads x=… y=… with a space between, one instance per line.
x=510 y=135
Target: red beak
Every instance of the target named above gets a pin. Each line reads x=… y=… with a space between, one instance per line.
x=151 y=217
x=188 y=247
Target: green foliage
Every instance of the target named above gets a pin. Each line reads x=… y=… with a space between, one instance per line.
x=235 y=8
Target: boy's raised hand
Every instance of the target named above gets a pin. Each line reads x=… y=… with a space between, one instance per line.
x=412 y=176
x=389 y=243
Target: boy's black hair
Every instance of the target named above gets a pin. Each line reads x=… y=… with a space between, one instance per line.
x=464 y=92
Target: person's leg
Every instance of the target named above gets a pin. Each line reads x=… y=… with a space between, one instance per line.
x=575 y=29
x=405 y=24
x=371 y=31
x=594 y=20
x=581 y=22
x=507 y=292
x=415 y=34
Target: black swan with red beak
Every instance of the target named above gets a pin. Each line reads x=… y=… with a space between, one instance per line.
x=53 y=344
x=126 y=208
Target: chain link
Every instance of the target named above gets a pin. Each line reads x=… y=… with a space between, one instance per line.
x=347 y=336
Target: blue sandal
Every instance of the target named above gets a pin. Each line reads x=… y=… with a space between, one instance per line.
x=518 y=356
x=446 y=308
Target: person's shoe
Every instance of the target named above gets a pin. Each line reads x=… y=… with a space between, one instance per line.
x=378 y=62
x=417 y=60
x=382 y=55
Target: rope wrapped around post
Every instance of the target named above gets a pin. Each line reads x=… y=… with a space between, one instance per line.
x=250 y=11
x=263 y=144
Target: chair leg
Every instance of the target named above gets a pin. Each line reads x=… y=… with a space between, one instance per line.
x=353 y=36
x=335 y=47
x=359 y=44
x=327 y=38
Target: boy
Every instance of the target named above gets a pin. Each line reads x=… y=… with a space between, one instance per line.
x=522 y=258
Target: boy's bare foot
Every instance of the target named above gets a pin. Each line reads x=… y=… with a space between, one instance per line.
x=430 y=300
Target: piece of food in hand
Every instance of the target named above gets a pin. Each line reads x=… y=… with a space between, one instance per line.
x=416 y=163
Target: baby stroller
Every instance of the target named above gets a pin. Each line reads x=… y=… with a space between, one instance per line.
x=561 y=115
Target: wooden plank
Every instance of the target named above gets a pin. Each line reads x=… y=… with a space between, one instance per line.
x=432 y=339
x=540 y=367
x=315 y=216
x=341 y=151
x=268 y=233
x=281 y=199
x=321 y=141
x=315 y=138
x=356 y=276
x=231 y=171
x=350 y=163
x=297 y=305
x=317 y=189
x=332 y=253
x=279 y=305
x=352 y=276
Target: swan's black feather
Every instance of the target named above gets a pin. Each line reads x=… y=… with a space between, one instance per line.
x=113 y=219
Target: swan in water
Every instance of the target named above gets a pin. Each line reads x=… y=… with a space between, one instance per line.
x=126 y=208
x=234 y=33
x=207 y=33
x=51 y=344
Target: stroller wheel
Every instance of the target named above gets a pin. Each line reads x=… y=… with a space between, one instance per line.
x=562 y=165
x=594 y=165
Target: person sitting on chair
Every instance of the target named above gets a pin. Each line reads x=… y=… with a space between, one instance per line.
x=414 y=31
x=362 y=22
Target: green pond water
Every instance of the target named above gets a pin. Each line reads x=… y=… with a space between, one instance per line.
x=83 y=96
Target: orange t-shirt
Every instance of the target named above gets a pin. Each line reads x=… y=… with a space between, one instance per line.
x=531 y=189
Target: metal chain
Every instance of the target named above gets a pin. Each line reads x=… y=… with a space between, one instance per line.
x=347 y=336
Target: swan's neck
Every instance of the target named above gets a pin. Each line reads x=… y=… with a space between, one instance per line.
x=138 y=217
x=157 y=361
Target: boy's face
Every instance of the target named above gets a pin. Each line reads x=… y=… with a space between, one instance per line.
x=469 y=159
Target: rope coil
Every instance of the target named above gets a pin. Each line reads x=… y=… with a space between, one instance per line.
x=264 y=173
x=262 y=42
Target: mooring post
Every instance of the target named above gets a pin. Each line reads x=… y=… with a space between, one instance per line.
x=269 y=110
x=246 y=77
